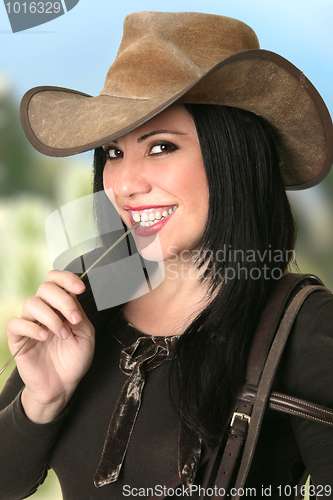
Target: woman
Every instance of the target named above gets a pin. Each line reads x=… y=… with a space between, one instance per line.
x=202 y=145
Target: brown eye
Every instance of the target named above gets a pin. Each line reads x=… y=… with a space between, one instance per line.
x=113 y=153
x=162 y=147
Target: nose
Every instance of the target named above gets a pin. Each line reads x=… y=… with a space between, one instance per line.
x=130 y=178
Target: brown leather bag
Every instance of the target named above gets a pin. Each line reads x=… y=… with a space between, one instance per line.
x=266 y=350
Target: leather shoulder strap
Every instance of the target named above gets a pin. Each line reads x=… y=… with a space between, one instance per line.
x=267 y=378
x=263 y=338
x=269 y=321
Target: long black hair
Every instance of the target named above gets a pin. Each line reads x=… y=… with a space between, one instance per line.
x=246 y=245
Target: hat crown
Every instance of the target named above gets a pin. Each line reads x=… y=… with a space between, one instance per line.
x=162 y=51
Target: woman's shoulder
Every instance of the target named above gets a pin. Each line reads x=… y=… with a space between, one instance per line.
x=309 y=352
x=314 y=322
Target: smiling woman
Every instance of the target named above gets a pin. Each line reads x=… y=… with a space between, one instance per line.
x=199 y=151
x=157 y=175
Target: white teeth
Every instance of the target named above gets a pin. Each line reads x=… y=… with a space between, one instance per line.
x=149 y=218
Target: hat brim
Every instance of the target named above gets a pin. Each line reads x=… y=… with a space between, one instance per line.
x=63 y=122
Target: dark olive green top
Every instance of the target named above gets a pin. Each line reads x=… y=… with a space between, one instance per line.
x=72 y=444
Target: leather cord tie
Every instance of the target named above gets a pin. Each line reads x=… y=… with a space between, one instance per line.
x=145 y=354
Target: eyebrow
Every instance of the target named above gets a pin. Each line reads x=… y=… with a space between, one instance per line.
x=155 y=132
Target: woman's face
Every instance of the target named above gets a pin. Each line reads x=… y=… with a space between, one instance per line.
x=157 y=176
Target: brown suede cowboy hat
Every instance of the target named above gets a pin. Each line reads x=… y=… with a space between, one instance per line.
x=193 y=58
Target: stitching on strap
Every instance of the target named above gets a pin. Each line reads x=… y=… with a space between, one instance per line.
x=303 y=403
x=301 y=414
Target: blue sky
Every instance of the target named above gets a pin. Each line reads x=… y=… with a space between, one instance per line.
x=77 y=49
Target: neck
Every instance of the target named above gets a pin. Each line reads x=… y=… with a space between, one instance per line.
x=169 y=308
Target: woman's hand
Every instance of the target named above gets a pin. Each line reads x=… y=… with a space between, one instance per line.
x=59 y=352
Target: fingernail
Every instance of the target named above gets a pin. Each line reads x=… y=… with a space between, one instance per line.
x=64 y=333
x=79 y=286
x=43 y=334
x=76 y=317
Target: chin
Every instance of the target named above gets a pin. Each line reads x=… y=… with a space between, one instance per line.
x=149 y=247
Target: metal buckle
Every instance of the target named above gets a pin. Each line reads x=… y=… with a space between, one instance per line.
x=242 y=416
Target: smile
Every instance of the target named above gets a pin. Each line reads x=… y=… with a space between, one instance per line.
x=151 y=216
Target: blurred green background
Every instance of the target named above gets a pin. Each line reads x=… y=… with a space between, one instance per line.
x=75 y=51
x=31 y=188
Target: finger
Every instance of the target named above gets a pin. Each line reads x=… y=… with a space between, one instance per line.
x=66 y=280
x=61 y=301
x=18 y=328
x=36 y=310
x=84 y=326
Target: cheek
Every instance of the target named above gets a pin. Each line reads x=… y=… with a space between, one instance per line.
x=196 y=185
x=199 y=201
